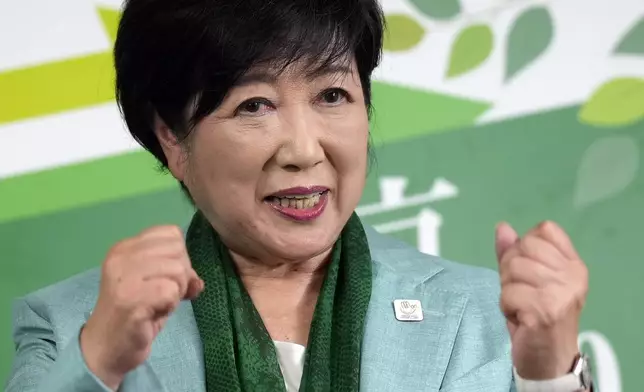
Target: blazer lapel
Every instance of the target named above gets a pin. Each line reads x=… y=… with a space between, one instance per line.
x=408 y=355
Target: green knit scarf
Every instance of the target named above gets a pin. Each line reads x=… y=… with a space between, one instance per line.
x=240 y=355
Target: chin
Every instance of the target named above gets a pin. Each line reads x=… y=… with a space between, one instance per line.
x=289 y=238
x=303 y=244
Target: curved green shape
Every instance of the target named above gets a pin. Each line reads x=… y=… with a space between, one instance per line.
x=530 y=35
x=618 y=102
x=403 y=33
x=608 y=167
x=438 y=9
x=470 y=49
x=633 y=41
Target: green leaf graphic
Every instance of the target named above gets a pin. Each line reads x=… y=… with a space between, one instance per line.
x=61 y=85
x=470 y=49
x=403 y=33
x=529 y=37
x=633 y=41
x=438 y=9
x=608 y=166
x=618 y=102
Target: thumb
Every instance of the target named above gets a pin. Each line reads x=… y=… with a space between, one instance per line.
x=195 y=286
x=506 y=236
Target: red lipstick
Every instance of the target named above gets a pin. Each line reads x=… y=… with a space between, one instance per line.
x=300 y=203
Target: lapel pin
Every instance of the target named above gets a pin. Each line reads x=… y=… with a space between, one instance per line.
x=408 y=310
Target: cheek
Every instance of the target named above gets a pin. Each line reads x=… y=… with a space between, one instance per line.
x=350 y=135
x=225 y=164
x=348 y=155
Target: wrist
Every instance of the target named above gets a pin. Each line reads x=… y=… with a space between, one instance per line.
x=578 y=379
x=93 y=355
x=548 y=367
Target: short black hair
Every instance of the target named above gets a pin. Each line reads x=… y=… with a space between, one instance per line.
x=178 y=58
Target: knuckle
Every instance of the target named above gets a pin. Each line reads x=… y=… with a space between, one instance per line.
x=547 y=225
x=165 y=230
x=171 y=230
x=179 y=250
x=168 y=292
x=552 y=308
x=115 y=252
x=116 y=255
x=528 y=244
x=140 y=315
x=549 y=318
x=583 y=272
x=549 y=229
x=509 y=255
x=510 y=265
x=122 y=296
x=530 y=321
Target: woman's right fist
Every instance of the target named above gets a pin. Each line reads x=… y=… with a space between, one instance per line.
x=143 y=280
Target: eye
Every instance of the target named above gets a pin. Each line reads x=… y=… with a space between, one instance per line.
x=253 y=107
x=334 y=96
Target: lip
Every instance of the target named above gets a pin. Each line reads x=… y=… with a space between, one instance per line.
x=300 y=190
x=304 y=214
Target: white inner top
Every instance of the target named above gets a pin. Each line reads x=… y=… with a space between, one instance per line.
x=291 y=359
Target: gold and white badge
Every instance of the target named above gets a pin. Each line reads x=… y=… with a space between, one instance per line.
x=408 y=310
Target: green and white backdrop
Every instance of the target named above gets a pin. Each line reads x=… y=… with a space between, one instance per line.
x=486 y=110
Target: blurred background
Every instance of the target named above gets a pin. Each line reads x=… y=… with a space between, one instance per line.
x=485 y=110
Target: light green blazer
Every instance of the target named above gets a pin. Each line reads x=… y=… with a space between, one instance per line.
x=461 y=345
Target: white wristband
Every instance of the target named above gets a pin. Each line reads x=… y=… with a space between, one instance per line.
x=567 y=383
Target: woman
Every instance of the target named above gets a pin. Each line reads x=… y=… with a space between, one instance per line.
x=260 y=110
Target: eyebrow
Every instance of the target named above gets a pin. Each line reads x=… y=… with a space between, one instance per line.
x=268 y=77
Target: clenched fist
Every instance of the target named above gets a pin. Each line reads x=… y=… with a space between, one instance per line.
x=143 y=280
x=543 y=289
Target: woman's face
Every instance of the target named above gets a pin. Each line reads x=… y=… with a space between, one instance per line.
x=280 y=166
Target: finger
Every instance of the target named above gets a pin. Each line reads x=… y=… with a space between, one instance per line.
x=155 y=247
x=195 y=286
x=517 y=301
x=555 y=235
x=164 y=231
x=538 y=249
x=526 y=271
x=158 y=249
x=165 y=267
x=157 y=298
x=505 y=238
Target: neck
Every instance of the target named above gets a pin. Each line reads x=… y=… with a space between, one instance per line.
x=281 y=269
x=284 y=293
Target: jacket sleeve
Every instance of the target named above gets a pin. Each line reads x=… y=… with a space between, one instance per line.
x=40 y=364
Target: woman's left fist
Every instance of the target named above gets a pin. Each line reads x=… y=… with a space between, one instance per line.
x=543 y=290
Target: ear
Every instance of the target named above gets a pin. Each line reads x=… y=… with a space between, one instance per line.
x=174 y=152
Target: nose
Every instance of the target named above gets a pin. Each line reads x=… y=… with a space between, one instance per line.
x=302 y=148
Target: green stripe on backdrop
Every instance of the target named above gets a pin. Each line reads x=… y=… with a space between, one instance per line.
x=134 y=173
x=79 y=185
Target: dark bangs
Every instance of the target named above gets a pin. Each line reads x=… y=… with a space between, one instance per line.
x=172 y=55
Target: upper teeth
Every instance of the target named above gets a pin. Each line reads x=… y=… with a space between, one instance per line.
x=298 y=201
x=300 y=196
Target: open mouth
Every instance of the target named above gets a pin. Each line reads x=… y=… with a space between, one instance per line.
x=298 y=202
